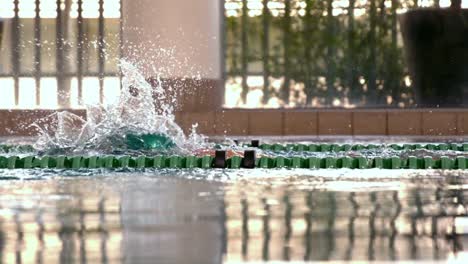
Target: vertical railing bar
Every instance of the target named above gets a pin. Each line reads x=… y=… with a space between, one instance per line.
x=121 y=39
x=351 y=50
x=372 y=78
x=384 y=77
x=223 y=35
x=286 y=36
x=244 y=50
x=307 y=37
x=266 y=53
x=80 y=50
x=101 y=51
x=62 y=94
x=16 y=50
x=394 y=83
x=37 y=52
x=331 y=52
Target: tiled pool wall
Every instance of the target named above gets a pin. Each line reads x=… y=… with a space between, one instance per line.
x=200 y=101
x=281 y=122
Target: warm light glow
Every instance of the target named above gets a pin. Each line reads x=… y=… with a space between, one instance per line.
x=48 y=9
x=425 y=3
x=408 y=81
x=461 y=225
x=459 y=257
x=74 y=103
x=26 y=9
x=274 y=102
x=112 y=9
x=91 y=9
x=254 y=98
x=255 y=81
x=275 y=5
x=232 y=5
x=446 y=3
x=340 y=7
x=27 y=93
x=254 y=4
x=111 y=90
x=48 y=95
x=7 y=9
x=233 y=92
x=7 y=100
x=90 y=90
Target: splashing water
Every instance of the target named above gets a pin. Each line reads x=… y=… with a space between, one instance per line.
x=140 y=110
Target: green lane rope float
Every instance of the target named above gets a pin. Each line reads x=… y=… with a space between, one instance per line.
x=357 y=147
x=220 y=160
x=161 y=142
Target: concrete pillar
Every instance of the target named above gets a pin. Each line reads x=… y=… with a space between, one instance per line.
x=180 y=41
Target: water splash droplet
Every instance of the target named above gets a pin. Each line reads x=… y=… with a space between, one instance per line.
x=140 y=110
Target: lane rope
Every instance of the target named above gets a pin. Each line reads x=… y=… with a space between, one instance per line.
x=249 y=160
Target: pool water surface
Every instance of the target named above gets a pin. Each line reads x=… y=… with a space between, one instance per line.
x=232 y=216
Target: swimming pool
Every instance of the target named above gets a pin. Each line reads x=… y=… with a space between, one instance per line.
x=169 y=215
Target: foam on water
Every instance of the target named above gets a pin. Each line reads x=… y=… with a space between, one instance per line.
x=141 y=109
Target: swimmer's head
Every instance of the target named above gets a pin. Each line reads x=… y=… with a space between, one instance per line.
x=133 y=91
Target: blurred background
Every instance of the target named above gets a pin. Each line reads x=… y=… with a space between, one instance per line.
x=67 y=46
x=274 y=53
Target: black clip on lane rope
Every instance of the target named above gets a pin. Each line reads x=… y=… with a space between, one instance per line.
x=255 y=143
x=248 y=161
x=220 y=159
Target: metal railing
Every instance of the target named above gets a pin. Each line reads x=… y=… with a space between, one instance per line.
x=308 y=53
x=63 y=47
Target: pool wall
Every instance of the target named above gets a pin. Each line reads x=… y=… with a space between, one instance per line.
x=282 y=122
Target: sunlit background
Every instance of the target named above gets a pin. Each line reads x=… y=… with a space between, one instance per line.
x=306 y=53
x=278 y=53
x=71 y=51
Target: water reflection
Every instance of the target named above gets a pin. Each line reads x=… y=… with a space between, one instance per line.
x=163 y=219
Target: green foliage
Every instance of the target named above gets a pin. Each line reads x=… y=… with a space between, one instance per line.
x=345 y=49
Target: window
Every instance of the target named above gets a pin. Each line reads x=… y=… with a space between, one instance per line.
x=53 y=51
x=328 y=53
